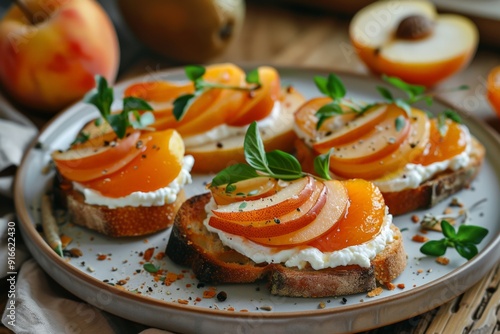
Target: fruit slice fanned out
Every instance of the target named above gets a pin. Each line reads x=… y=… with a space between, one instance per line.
x=258 y=104
x=287 y=223
x=91 y=162
x=407 y=151
x=383 y=138
x=284 y=201
x=248 y=190
x=365 y=217
x=336 y=203
x=354 y=129
x=155 y=168
x=159 y=91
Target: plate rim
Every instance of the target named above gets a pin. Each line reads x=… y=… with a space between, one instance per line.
x=29 y=231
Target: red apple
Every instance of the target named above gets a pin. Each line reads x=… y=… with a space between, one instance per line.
x=52 y=50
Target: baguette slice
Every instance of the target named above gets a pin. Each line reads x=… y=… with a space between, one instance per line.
x=192 y=245
x=429 y=193
x=215 y=156
x=118 y=222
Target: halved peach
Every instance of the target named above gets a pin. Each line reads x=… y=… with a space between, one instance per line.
x=383 y=138
x=352 y=130
x=363 y=221
x=287 y=223
x=248 y=190
x=287 y=199
x=334 y=208
x=409 y=40
x=155 y=168
x=92 y=162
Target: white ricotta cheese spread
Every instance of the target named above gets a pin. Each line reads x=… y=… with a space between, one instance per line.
x=300 y=256
x=225 y=131
x=158 y=197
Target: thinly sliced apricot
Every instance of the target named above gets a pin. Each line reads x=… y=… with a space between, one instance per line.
x=287 y=223
x=159 y=91
x=276 y=205
x=258 y=104
x=382 y=139
x=363 y=221
x=87 y=163
x=443 y=147
x=352 y=130
x=213 y=106
x=306 y=119
x=405 y=153
x=334 y=208
x=155 y=168
x=246 y=190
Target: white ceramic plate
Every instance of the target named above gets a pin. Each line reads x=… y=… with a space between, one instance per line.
x=181 y=307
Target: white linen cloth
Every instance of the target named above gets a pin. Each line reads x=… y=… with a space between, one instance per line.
x=41 y=305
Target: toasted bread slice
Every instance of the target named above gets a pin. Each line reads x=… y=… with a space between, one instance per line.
x=192 y=245
x=429 y=193
x=215 y=156
x=117 y=222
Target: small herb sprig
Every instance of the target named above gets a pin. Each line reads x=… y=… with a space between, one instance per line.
x=276 y=164
x=464 y=240
x=102 y=97
x=195 y=74
x=334 y=88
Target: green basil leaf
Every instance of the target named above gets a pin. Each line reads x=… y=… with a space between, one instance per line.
x=322 y=165
x=131 y=103
x=98 y=121
x=194 y=72
x=283 y=165
x=150 y=268
x=386 y=94
x=327 y=111
x=335 y=87
x=181 y=105
x=101 y=96
x=466 y=250
x=82 y=137
x=453 y=115
x=434 y=248
x=233 y=174
x=400 y=123
x=448 y=230
x=321 y=84
x=255 y=154
x=119 y=123
x=252 y=77
x=471 y=233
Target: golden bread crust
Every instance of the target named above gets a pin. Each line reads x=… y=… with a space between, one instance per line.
x=192 y=245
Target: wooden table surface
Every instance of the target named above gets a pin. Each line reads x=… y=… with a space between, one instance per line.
x=277 y=34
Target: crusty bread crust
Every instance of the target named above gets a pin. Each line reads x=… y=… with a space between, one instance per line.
x=428 y=193
x=214 y=157
x=438 y=188
x=118 y=222
x=192 y=245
